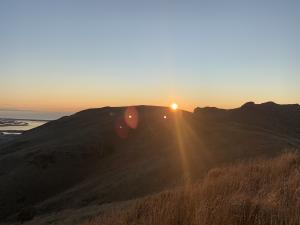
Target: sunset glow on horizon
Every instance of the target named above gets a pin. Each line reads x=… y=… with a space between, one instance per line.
x=174 y=106
x=62 y=57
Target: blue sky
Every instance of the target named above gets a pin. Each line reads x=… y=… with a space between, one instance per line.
x=68 y=55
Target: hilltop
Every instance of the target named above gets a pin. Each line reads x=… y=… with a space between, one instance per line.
x=98 y=157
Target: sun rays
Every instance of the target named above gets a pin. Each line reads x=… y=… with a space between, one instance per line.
x=174 y=106
x=180 y=132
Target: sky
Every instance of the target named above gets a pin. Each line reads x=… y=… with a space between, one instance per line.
x=64 y=56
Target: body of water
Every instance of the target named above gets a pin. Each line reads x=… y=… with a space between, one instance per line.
x=31 y=115
x=12 y=126
x=17 y=121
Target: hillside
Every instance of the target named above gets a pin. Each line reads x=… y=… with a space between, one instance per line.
x=98 y=157
x=249 y=193
x=283 y=119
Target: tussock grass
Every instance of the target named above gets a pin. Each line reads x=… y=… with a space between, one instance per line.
x=261 y=192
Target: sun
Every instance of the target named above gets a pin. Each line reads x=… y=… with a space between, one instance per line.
x=174 y=106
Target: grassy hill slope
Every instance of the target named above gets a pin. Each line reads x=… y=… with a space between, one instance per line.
x=252 y=193
x=94 y=158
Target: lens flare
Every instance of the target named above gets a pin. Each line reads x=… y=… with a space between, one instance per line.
x=174 y=106
x=131 y=117
x=120 y=128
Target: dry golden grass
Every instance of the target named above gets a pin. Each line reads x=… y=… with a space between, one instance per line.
x=261 y=192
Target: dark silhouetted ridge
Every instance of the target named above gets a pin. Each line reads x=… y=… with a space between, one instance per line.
x=97 y=156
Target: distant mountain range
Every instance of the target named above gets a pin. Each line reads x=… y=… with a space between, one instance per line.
x=113 y=154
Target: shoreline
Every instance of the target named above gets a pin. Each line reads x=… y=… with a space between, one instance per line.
x=35 y=120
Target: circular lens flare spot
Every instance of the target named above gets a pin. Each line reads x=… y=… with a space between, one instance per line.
x=165 y=117
x=131 y=117
x=120 y=128
x=174 y=106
